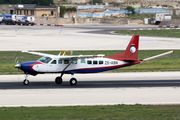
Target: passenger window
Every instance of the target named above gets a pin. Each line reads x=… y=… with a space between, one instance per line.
x=60 y=61
x=66 y=61
x=74 y=62
x=83 y=61
x=100 y=62
x=95 y=62
x=53 y=62
x=89 y=62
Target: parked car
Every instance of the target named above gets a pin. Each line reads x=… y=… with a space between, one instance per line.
x=23 y=22
x=9 y=21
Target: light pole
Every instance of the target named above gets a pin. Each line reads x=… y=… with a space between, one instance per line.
x=59 y=8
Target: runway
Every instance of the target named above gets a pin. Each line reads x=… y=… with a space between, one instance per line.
x=77 y=37
x=92 y=89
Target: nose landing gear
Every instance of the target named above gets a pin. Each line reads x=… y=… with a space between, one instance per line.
x=26 y=81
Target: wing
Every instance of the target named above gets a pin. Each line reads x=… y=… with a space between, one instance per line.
x=65 y=57
x=38 y=53
x=81 y=56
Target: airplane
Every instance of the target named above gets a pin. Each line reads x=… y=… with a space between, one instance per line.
x=69 y=64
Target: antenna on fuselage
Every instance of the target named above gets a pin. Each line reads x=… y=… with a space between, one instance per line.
x=59 y=54
x=64 y=53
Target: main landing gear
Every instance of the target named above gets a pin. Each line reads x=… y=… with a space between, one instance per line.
x=72 y=81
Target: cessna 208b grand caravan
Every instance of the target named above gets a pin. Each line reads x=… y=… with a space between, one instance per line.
x=68 y=64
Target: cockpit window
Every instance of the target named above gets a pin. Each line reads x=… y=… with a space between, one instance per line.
x=45 y=59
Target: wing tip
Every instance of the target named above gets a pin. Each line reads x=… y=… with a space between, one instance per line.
x=24 y=51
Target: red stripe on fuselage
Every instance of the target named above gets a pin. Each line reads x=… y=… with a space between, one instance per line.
x=31 y=67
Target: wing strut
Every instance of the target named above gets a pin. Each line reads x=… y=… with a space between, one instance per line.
x=66 y=67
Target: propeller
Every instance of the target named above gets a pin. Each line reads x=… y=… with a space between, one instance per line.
x=18 y=65
x=17 y=62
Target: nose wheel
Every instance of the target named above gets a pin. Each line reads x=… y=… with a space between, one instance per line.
x=26 y=82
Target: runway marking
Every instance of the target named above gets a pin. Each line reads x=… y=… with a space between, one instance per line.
x=147 y=40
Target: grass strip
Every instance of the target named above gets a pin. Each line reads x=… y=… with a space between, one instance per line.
x=163 y=33
x=114 y=112
x=166 y=63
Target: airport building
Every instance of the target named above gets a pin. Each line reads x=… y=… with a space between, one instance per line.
x=28 y=9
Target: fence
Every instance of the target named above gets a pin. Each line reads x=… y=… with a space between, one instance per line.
x=170 y=23
x=53 y=21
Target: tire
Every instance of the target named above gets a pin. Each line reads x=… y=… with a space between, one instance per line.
x=73 y=81
x=26 y=82
x=58 y=80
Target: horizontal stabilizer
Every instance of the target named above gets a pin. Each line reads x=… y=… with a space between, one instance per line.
x=160 y=55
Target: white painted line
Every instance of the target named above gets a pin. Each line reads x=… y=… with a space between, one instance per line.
x=92 y=104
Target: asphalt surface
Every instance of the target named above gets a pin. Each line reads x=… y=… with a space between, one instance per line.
x=107 y=29
x=77 y=37
x=91 y=84
x=92 y=89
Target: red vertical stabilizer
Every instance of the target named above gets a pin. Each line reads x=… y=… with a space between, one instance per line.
x=131 y=52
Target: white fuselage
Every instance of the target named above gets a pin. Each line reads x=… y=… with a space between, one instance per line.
x=93 y=64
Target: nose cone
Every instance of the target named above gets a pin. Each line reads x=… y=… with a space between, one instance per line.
x=17 y=66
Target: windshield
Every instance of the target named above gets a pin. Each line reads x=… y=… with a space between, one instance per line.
x=45 y=59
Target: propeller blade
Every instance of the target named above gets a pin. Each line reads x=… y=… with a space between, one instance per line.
x=15 y=60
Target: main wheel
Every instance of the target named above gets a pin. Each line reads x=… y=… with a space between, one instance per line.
x=73 y=81
x=26 y=82
x=58 y=80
